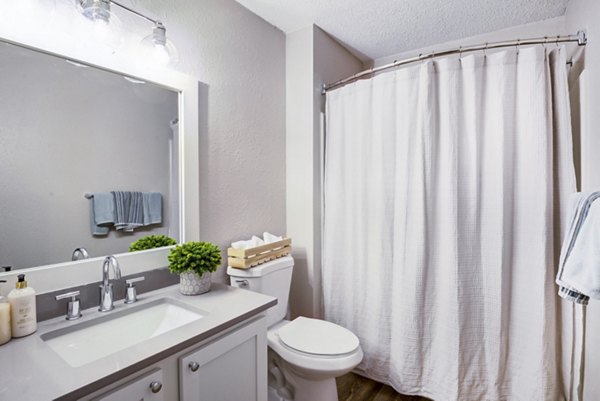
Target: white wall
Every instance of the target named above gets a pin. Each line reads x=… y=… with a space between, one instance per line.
x=91 y=131
x=582 y=14
x=313 y=59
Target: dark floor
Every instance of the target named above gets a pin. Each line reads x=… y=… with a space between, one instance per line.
x=352 y=387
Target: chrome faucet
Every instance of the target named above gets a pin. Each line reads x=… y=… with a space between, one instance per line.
x=80 y=253
x=106 y=288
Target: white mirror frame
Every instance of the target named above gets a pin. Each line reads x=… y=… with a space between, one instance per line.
x=70 y=274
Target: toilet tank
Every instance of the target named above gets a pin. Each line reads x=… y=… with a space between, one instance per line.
x=271 y=278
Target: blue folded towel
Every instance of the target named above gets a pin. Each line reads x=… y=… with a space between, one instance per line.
x=129 y=210
x=102 y=212
x=152 y=208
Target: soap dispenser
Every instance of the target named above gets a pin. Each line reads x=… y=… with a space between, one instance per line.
x=5 y=331
x=22 y=309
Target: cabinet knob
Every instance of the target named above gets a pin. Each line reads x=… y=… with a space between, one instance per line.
x=155 y=386
x=194 y=366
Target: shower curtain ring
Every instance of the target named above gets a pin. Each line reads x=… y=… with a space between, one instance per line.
x=518 y=46
x=557 y=39
x=485 y=49
x=460 y=52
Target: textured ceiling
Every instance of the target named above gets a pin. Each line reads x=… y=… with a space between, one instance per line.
x=376 y=28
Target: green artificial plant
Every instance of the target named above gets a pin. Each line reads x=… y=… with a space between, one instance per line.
x=150 y=242
x=197 y=257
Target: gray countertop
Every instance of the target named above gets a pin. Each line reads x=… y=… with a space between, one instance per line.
x=31 y=371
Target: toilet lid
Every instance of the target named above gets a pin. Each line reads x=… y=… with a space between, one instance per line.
x=318 y=337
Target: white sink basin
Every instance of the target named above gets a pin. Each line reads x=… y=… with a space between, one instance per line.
x=89 y=341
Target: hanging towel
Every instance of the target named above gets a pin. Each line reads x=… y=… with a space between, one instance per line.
x=152 y=208
x=102 y=212
x=129 y=210
x=579 y=266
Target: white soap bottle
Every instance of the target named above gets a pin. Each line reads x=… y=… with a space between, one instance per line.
x=5 y=330
x=22 y=309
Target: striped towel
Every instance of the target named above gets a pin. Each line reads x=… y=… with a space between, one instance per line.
x=129 y=210
x=577 y=257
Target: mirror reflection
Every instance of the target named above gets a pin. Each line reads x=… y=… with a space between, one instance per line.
x=68 y=131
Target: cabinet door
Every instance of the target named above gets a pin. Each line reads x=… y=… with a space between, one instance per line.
x=231 y=368
x=145 y=388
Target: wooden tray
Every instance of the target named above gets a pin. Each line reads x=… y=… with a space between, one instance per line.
x=247 y=258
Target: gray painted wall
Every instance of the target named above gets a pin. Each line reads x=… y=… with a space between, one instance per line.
x=313 y=59
x=241 y=59
x=67 y=130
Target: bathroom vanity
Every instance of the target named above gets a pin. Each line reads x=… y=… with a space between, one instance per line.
x=164 y=347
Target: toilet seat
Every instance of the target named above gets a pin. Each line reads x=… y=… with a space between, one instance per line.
x=307 y=364
x=318 y=337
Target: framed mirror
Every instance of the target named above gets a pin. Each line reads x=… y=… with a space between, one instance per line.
x=72 y=128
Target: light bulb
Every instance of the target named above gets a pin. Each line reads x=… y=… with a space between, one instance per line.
x=160 y=55
x=101 y=30
x=24 y=5
x=157 y=48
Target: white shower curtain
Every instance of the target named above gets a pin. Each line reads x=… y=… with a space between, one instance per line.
x=443 y=186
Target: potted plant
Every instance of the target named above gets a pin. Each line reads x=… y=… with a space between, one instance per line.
x=194 y=261
x=150 y=242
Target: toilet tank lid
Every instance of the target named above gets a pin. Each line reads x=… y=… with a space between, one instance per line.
x=263 y=269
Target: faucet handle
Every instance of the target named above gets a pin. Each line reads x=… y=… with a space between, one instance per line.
x=131 y=281
x=131 y=294
x=73 y=307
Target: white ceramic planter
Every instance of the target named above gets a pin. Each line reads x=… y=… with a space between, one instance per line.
x=191 y=283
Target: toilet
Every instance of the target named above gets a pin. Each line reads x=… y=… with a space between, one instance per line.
x=305 y=355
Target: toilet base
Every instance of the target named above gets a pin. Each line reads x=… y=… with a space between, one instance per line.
x=273 y=396
x=286 y=385
x=308 y=390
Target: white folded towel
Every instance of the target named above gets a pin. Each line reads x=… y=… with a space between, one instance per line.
x=579 y=266
x=256 y=241
x=239 y=245
x=271 y=238
x=251 y=243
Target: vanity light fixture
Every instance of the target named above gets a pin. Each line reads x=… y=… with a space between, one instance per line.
x=155 y=46
x=97 y=11
x=106 y=26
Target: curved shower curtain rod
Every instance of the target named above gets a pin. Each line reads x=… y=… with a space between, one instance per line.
x=580 y=37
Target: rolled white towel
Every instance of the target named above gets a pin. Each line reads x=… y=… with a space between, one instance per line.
x=256 y=241
x=271 y=238
x=239 y=245
x=250 y=243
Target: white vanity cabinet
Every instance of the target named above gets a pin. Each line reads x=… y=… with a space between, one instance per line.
x=147 y=388
x=229 y=366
